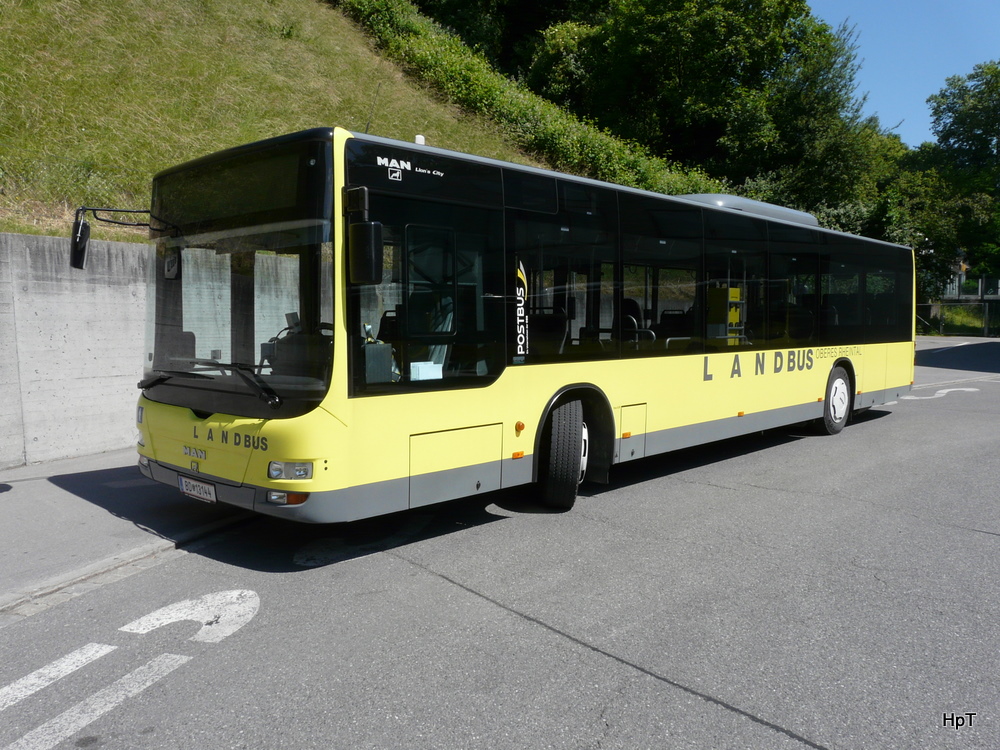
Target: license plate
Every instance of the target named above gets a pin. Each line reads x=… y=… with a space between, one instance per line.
x=198 y=490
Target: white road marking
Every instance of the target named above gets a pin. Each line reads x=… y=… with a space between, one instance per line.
x=946 y=349
x=40 y=678
x=68 y=723
x=940 y=394
x=221 y=614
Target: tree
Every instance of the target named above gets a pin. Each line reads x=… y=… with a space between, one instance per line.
x=824 y=150
x=676 y=75
x=965 y=118
x=746 y=91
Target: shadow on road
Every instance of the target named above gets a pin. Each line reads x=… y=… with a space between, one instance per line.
x=654 y=467
x=272 y=545
x=978 y=357
x=259 y=542
x=155 y=508
x=268 y=544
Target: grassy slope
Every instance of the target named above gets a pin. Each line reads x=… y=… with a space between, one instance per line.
x=97 y=97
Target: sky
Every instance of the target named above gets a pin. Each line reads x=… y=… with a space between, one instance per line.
x=908 y=49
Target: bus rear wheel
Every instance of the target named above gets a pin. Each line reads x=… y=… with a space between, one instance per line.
x=837 y=405
x=564 y=455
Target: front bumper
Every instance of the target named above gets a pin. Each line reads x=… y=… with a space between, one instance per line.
x=335 y=506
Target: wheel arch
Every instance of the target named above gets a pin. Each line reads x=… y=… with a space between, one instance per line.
x=600 y=419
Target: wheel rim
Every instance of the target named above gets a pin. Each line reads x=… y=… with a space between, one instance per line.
x=839 y=400
x=584 y=450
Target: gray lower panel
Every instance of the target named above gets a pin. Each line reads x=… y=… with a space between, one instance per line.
x=379 y=498
x=722 y=429
x=663 y=441
x=874 y=398
x=464 y=481
x=340 y=506
x=516 y=471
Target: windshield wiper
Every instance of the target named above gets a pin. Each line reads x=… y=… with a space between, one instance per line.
x=161 y=376
x=247 y=374
x=264 y=392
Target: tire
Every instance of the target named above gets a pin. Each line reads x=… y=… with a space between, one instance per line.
x=837 y=405
x=564 y=452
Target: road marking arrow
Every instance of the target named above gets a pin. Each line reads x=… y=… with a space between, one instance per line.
x=221 y=614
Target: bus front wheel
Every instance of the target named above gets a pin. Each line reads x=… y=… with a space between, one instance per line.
x=564 y=455
x=837 y=406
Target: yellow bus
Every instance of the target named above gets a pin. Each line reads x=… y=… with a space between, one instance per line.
x=342 y=326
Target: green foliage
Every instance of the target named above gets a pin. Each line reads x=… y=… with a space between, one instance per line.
x=966 y=120
x=506 y=32
x=466 y=78
x=917 y=213
x=698 y=64
x=965 y=319
x=743 y=92
x=761 y=95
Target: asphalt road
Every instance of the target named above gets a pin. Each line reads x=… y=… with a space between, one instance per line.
x=786 y=590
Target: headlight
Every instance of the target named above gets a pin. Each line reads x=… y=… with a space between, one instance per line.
x=290 y=470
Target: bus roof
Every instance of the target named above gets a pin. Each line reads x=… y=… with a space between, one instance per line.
x=769 y=210
x=717 y=201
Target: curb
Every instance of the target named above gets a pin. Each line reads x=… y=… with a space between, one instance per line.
x=15 y=599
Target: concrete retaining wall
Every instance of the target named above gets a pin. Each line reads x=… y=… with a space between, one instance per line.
x=71 y=346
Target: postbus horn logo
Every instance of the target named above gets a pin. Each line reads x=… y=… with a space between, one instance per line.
x=521 y=314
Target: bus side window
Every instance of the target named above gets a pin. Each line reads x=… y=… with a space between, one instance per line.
x=661 y=269
x=568 y=315
x=676 y=326
x=793 y=316
x=841 y=313
x=633 y=323
x=439 y=310
x=568 y=259
x=736 y=271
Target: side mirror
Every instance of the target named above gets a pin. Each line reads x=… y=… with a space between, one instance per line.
x=364 y=252
x=78 y=242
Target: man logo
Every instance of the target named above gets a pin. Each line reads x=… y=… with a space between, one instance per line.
x=394 y=163
x=396 y=167
x=194 y=452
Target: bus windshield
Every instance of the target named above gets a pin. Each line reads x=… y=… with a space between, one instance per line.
x=240 y=297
